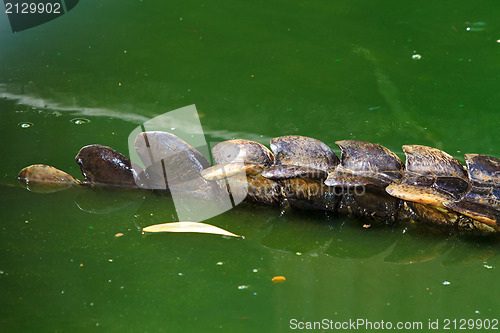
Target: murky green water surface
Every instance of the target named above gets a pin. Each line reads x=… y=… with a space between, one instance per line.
x=388 y=72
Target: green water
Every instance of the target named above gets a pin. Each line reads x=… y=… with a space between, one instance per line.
x=389 y=72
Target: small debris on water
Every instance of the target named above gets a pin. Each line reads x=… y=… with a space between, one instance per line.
x=278 y=279
x=488 y=266
x=416 y=56
x=366 y=226
x=242 y=287
x=446 y=283
x=220 y=263
x=119 y=234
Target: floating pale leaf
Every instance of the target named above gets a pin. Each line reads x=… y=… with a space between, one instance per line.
x=189 y=227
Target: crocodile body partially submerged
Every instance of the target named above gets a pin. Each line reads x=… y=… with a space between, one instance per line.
x=368 y=180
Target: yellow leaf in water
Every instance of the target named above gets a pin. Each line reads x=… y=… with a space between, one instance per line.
x=189 y=227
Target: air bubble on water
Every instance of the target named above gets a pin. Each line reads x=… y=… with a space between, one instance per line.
x=25 y=125
x=80 y=121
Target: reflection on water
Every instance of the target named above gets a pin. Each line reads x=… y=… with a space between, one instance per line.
x=307 y=233
x=61 y=248
x=137 y=116
x=11 y=92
